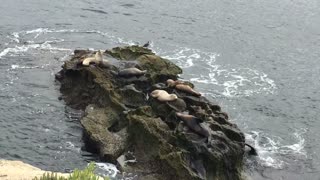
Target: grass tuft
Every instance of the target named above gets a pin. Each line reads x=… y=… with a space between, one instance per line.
x=85 y=174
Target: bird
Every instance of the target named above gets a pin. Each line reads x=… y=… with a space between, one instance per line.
x=146 y=44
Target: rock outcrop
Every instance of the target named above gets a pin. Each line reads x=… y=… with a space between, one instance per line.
x=125 y=125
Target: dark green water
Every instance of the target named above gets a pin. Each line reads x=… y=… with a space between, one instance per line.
x=258 y=59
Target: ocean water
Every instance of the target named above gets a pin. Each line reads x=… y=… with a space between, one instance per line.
x=258 y=59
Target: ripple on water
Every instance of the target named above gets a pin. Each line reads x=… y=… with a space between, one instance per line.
x=33 y=124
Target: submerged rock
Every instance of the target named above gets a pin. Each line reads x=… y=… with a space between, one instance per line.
x=121 y=117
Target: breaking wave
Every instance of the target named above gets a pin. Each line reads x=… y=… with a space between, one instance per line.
x=273 y=150
x=17 y=50
x=202 y=68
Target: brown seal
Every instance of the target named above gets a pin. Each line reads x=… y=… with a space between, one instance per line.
x=193 y=123
x=180 y=85
x=130 y=72
x=163 y=96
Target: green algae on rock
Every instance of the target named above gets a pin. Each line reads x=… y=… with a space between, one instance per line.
x=123 y=123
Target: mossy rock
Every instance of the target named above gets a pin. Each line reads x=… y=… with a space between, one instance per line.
x=160 y=69
x=124 y=119
x=129 y=53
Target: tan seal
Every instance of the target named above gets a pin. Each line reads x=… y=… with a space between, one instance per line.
x=180 y=85
x=130 y=72
x=163 y=96
x=193 y=123
x=97 y=59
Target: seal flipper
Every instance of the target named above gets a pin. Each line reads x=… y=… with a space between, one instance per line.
x=252 y=151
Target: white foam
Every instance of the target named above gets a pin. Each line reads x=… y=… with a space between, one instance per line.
x=70 y=145
x=122 y=41
x=16 y=66
x=107 y=169
x=271 y=150
x=13 y=51
x=15 y=37
x=297 y=148
x=228 y=80
x=40 y=31
x=184 y=57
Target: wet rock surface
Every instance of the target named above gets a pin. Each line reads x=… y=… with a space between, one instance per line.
x=125 y=125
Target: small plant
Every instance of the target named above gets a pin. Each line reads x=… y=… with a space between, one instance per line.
x=85 y=174
x=50 y=176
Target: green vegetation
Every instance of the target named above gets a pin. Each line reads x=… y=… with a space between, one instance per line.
x=86 y=174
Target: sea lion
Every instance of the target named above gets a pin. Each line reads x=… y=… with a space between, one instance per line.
x=130 y=72
x=97 y=59
x=172 y=83
x=178 y=105
x=163 y=96
x=105 y=64
x=180 y=85
x=193 y=123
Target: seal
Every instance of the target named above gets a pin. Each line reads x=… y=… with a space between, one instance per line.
x=87 y=61
x=130 y=72
x=193 y=123
x=105 y=64
x=172 y=83
x=97 y=59
x=178 y=105
x=163 y=96
x=180 y=85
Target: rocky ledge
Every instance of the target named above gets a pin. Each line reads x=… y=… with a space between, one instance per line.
x=145 y=123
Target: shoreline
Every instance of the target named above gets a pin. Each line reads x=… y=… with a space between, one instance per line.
x=18 y=170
